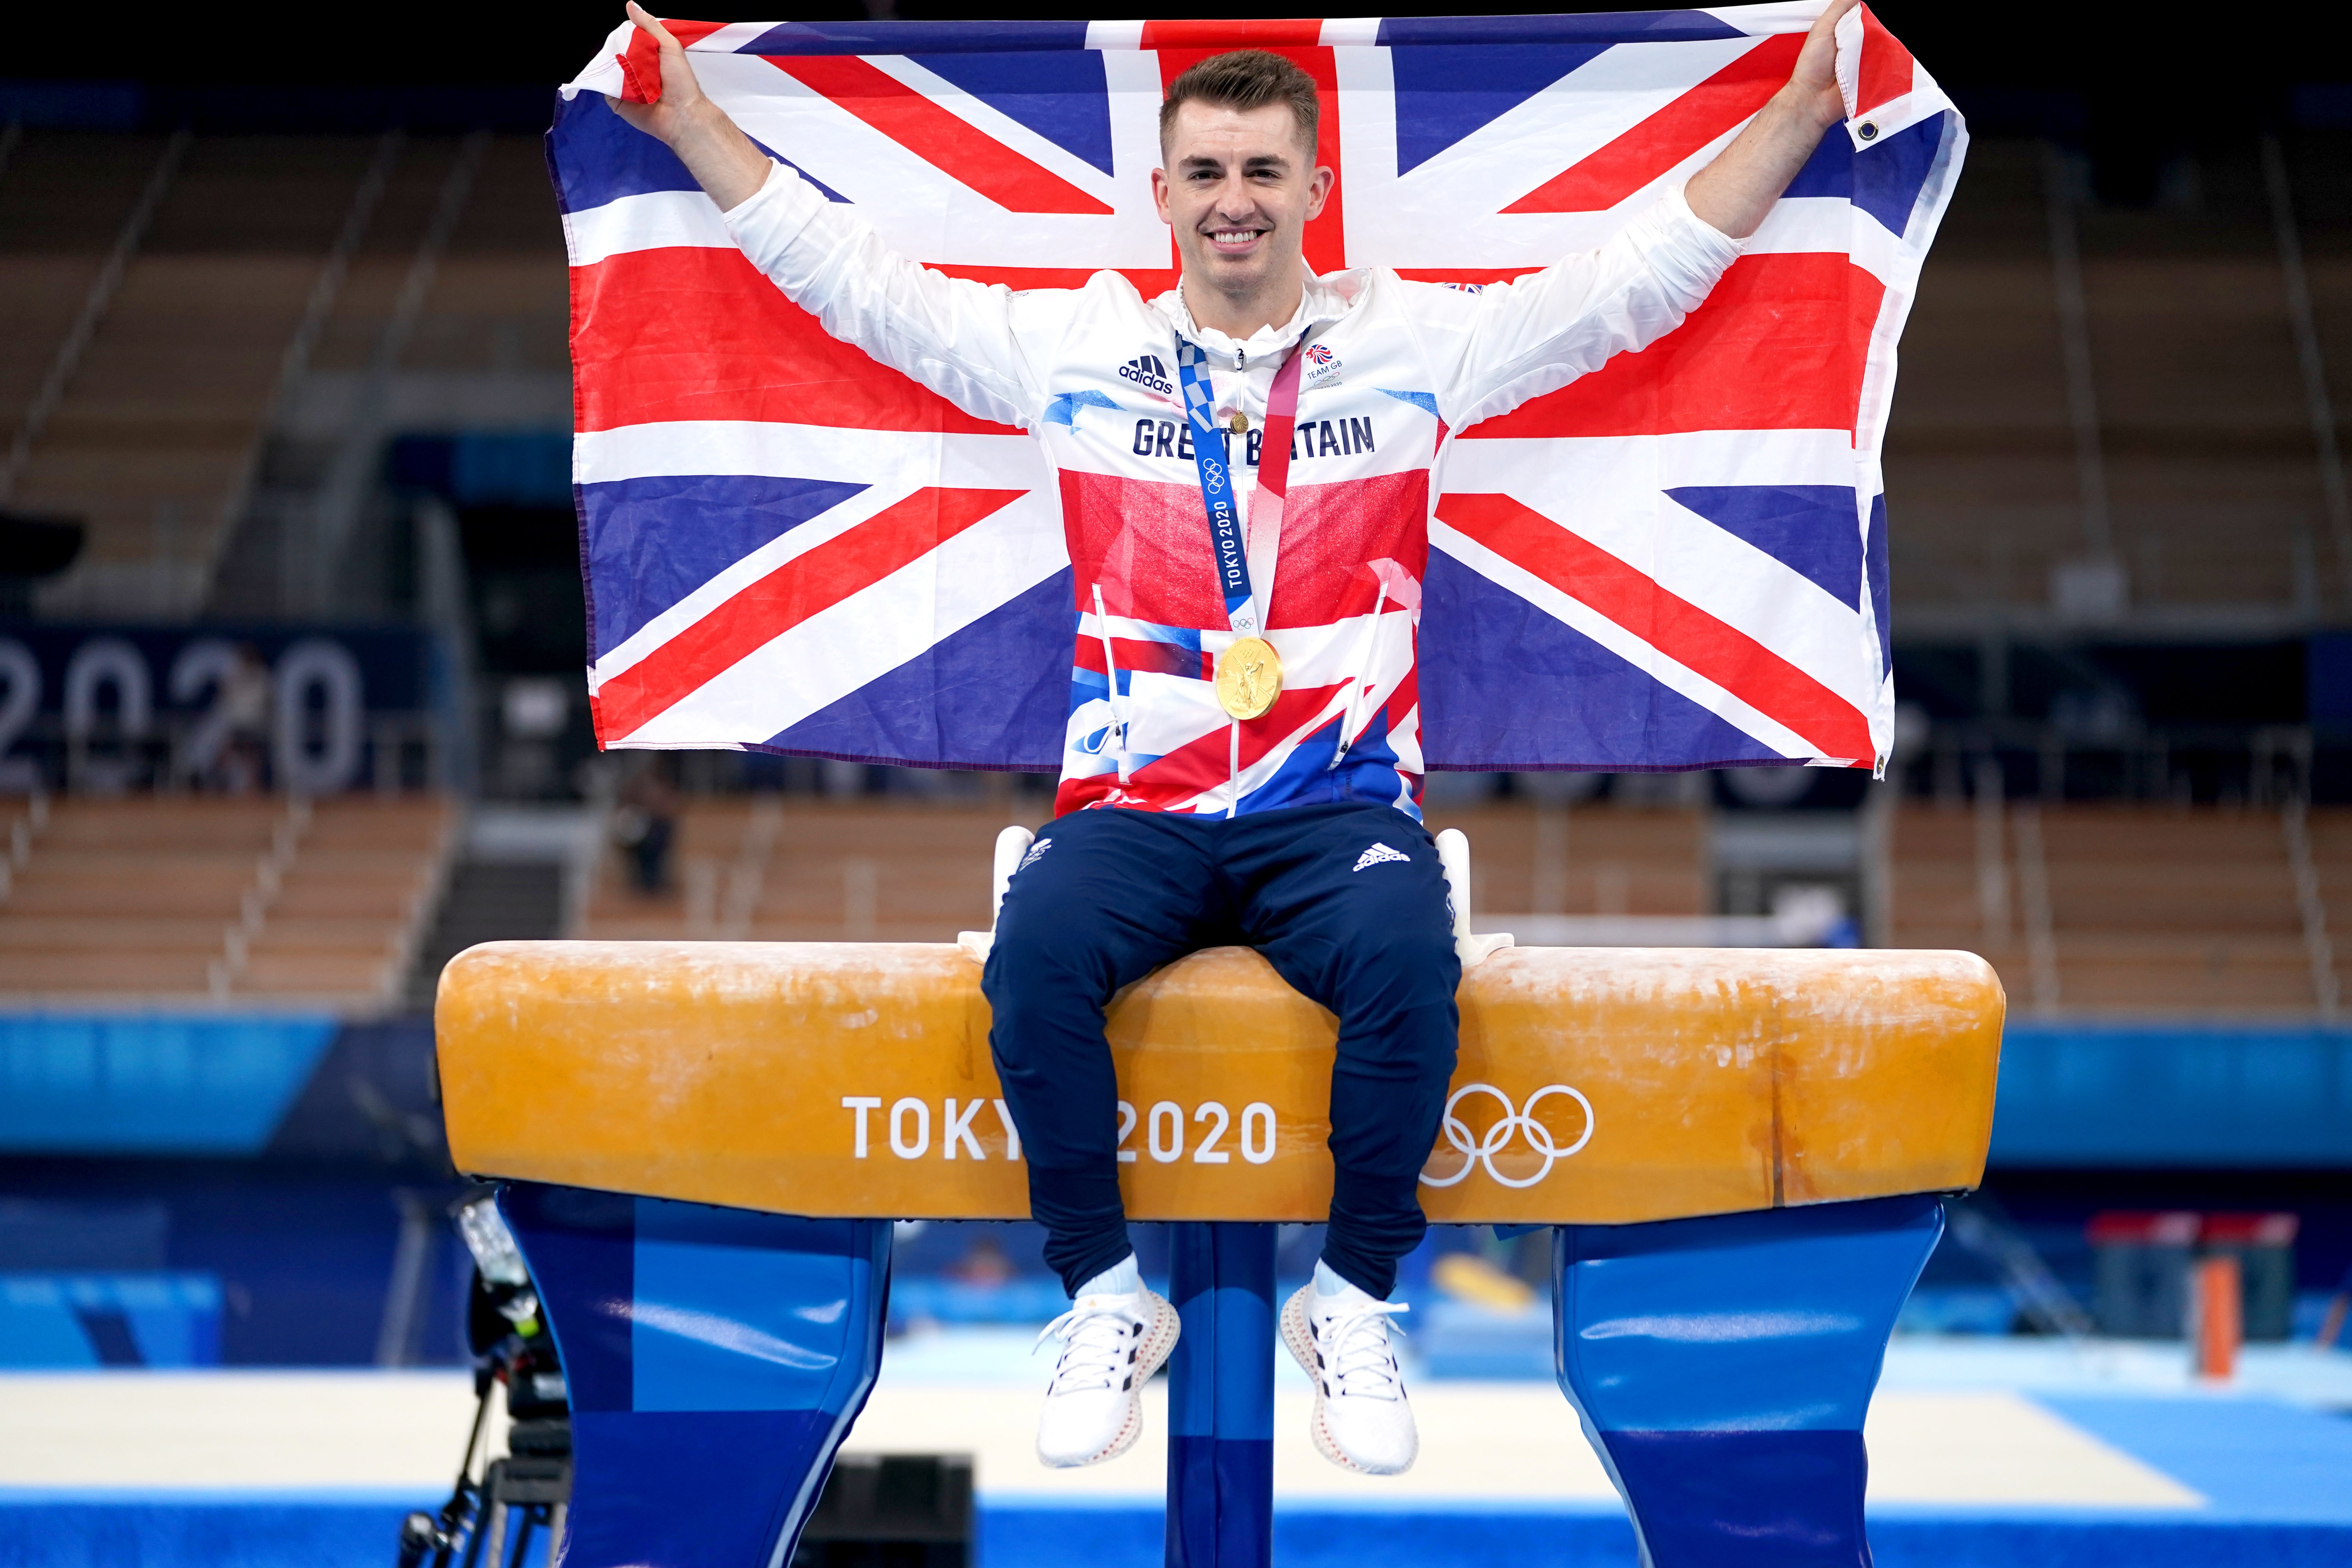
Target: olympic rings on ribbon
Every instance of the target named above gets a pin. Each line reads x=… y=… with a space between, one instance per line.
x=1481 y=1151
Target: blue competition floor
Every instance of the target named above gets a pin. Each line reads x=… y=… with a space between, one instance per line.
x=2195 y=1479
x=332 y=1532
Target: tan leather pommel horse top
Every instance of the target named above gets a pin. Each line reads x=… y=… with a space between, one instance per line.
x=1595 y=1086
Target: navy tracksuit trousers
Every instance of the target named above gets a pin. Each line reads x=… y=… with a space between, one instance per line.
x=1349 y=904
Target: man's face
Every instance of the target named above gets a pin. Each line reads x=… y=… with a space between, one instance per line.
x=1238 y=190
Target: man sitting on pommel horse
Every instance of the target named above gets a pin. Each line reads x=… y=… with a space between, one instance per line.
x=1243 y=761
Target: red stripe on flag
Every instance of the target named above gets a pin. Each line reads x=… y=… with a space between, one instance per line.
x=696 y=332
x=1263 y=32
x=1326 y=240
x=1887 y=66
x=1602 y=179
x=947 y=140
x=813 y=581
x=1778 y=346
x=1673 y=625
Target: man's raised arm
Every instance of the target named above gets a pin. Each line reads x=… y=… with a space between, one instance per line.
x=1526 y=338
x=714 y=149
x=1734 y=192
x=974 y=345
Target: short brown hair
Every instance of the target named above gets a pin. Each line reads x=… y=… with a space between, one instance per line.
x=1245 y=79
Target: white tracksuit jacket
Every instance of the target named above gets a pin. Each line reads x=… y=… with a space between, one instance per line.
x=1393 y=369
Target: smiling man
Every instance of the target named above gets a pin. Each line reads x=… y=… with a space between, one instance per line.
x=1246 y=468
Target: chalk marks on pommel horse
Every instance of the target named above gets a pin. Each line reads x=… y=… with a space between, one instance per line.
x=1741 y=1151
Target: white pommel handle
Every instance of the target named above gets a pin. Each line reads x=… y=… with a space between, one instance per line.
x=1011 y=844
x=1454 y=856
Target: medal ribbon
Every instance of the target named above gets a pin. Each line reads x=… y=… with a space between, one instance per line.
x=1239 y=562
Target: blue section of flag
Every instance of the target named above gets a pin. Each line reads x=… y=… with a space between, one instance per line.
x=1828 y=172
x=1446 y=91
x=1888 y=176
x=1599 y=27
x=1424 y=401
x=1499 y=678
x=993 y=695
x=1810 y=529
x=597 y=157
x=634 y=542
x=1063 y=97
x=1874 y=576
x=915 y=38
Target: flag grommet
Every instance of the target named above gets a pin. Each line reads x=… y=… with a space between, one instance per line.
x=1867 y=130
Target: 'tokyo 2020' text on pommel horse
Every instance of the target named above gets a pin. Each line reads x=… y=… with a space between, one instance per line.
x=1741 y=1153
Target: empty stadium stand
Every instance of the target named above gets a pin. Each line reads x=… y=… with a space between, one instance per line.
x=2181 y=438
x=169 y=897
x=768 y=867
x=1600 y=859
x=2128 y=910
x=208 y=331
x=795 y=869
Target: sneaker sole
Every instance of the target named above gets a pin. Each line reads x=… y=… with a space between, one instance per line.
x=1298 y=1339
x=1159 y=1344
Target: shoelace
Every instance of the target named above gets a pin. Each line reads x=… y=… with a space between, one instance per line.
x=1356 y=1352
x=1096 y=1341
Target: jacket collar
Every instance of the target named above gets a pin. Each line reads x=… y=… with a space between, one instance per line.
x=1327 y=299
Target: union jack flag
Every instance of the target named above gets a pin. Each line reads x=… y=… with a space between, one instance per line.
x=1678 y=561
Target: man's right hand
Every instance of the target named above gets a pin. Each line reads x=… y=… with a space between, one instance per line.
x=715 y=151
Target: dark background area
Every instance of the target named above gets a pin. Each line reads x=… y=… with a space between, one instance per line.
x=2136 y=85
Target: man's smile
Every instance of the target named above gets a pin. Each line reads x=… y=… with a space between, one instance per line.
x=1235 y=240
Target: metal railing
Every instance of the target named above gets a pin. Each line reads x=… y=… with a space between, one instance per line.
x=94 y=306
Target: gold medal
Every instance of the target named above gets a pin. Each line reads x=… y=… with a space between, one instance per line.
x=1249 y=678
x=1238 y=424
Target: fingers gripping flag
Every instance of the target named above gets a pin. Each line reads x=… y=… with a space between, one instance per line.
x=1678 y=561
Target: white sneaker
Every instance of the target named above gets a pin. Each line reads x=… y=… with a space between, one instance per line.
x=1362 y=1421
x=1112 y=1345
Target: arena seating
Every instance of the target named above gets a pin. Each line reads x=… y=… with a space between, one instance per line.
x=165 y=897
x=160 y=433
x=1593 y=859
x=769 y=868
x=773 y=869
x=2122 y=909
x=2204 y=434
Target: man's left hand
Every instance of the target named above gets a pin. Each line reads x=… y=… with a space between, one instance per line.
x=1736 y=191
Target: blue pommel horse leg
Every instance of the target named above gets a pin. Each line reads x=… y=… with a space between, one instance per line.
x=1722 y=1367
x=714 y=1359
x=1221 y=1396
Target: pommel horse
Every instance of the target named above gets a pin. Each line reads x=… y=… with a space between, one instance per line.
x=1741 y=1154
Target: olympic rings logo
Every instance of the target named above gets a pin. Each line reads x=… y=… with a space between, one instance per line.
x=1481 y=1151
